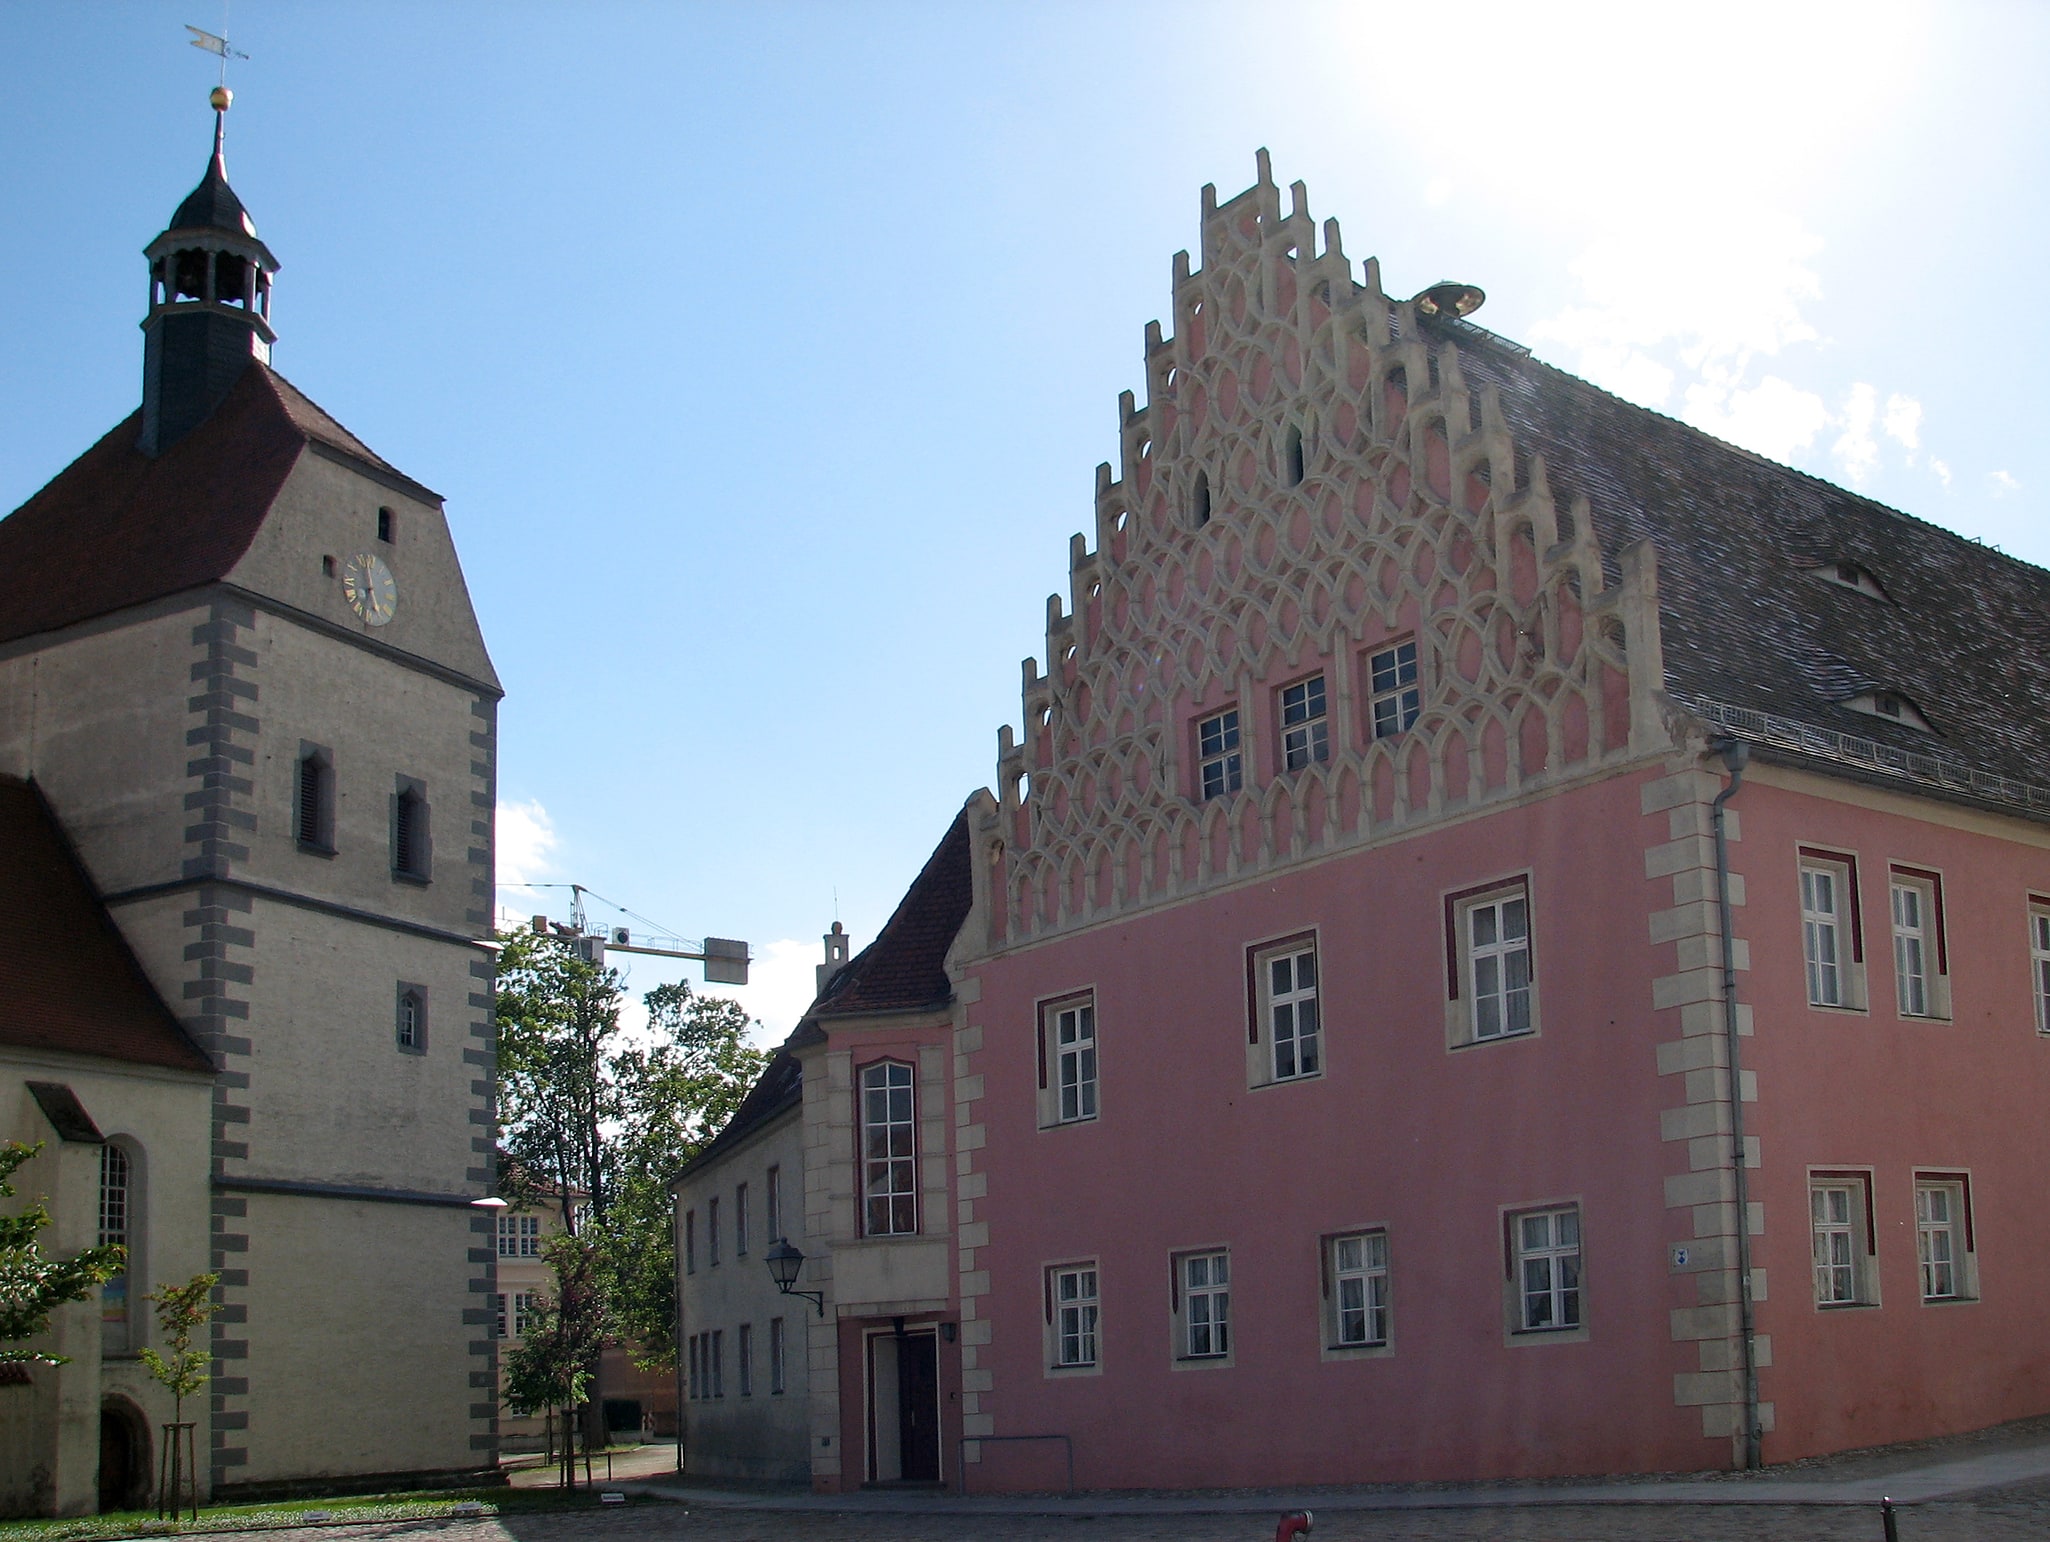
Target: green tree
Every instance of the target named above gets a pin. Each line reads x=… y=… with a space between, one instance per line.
x=582 y=1112
x=558 y=1015
x=33 y=1285
x=181 y=1311
x=551 y=1367
x=676 y=1094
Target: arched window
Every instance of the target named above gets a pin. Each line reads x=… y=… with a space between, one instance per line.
x=412 y=1018
x=409 y=846
x=889 y=1149
x=118 y=1217
x=387 y=530
x=313 y=800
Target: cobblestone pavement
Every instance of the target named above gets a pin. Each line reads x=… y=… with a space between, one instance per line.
x=2007 y=1515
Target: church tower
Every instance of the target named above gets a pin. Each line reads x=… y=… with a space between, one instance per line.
x=209 y=303
x=239 y=661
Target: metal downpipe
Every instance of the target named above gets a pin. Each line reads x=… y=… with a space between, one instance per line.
x=1735 y=755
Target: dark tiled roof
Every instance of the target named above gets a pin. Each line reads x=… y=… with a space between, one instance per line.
x=67 y=978
x=117 y=528
x=779 y=1088
x=904 y=969
x=213 y=204
x=1964 y=632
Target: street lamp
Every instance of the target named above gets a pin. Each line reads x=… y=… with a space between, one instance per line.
x=784 y=1261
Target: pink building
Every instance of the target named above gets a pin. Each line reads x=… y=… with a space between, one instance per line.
x=1314 y=1063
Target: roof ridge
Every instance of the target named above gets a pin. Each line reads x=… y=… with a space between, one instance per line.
x=1514 y=352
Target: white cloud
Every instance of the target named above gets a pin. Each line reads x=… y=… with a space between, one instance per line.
x=1857 y=450
x=781 y=983
x=2002 y=484
x=526 y=849
x=1903 y=422
x=1940 y=469
x=1774 y=418
x=1438 y=192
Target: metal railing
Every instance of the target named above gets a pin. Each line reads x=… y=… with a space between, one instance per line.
x=1868 y=754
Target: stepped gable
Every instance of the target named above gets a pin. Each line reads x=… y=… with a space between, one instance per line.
x=1319 y=468
x=68 y=982
x=118 y=528
x=905 y=968
x=1960 y=629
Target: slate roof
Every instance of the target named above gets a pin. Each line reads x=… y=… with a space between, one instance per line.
x=213 y=204
x=68 y=980
x=903 y=970
x=778 y=1089
x=1964 y=631
x=118 y=528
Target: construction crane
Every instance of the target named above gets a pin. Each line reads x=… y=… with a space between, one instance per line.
x=725 y=958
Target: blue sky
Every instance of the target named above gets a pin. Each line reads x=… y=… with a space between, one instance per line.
x=765 y=353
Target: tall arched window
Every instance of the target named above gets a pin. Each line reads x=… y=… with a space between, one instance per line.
x=889 y=1148
x=117 y=1217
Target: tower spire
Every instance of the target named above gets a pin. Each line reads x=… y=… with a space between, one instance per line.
x=209 y=306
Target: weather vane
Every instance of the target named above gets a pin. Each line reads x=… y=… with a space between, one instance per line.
x=219 y=46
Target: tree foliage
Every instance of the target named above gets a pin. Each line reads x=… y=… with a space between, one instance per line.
x=684 y=1088
x=551 y=1367
x=181 y=1311
x=33 y=1285
x=584 y=1112
x=558 y=1015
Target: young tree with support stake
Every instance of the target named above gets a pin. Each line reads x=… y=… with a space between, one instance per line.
x=181 y=1311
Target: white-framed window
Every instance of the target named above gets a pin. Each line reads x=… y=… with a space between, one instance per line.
x=777 y=1376
x=1394 y=697
x=410 y=1030
x=1832 y=940
x=2039 y=959
x=1067 y=1060
x=744 y=1358
x=889 y=1151
x=1305 y=724
x=525 y=1308
x=519 y=1236
x=1286 y=1032
x=1071 y=1311
x=1203 y=1305
x=117 y=1227
x=1547 y=1268
x=1219 y=766
x=1842 y=1241
x=1491 y=977
x=740 y=1220
x=1921 y=953
x=690 y=1242
x=1944 y=1244
x=772 y=1203
x=500 y=1323
x=1356 y=1288
x=712 y=1233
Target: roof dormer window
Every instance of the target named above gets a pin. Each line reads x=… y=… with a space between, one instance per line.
x=1849 y=575
x=1892 y=706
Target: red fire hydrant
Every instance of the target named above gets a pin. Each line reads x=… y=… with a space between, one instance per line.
x=1294 y=1524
